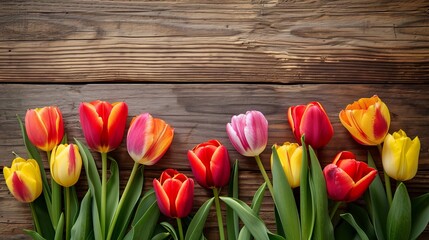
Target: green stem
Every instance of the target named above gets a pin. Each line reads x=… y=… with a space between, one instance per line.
x=56 y=198
x=103 y=193
x=123 y=197
x=219 y=214
x=35 y=219
x=388 y=188
x=68 y=214
x=179 y=225
x=334 y=209
x=264 y=174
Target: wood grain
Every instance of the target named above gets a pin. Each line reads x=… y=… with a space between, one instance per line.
x=198 y=41
x=199 y=112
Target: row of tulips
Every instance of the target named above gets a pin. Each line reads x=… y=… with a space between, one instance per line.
x=104 y=213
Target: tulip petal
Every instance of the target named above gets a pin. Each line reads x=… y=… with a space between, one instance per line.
x=256 y=131
x=162 y=198
x=362 y=185
x=236 y=135
x=338 y=183
x=36 y=129
x=316 y=126
x=220 y=167
x=92 y=125
x=163 y=137
x=295 y=114
x=185 y=198
x=140 y=136
x=198 y=169
x=116 y=124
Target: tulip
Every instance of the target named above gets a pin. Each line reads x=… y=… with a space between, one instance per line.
x=148 y=139
x=174 y=193
x=65 y=164
x=44 y=127
x=346 y=178
x=400 y=156
x=210 y=164
x=103 y=124
x=312 y=121
x=23 y=179
x=290 y=155
x=367 y=120
x=248 y=133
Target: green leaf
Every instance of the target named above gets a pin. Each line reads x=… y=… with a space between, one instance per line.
x=399 y=216
x=146 y=217
x=231 y=217
x=129 y=204
x=44 y=219
x=306 y=203
x=349 y=218
x=161 y=236
x=112 y=191
x=170 y=229
x=60 y=228
x=83 y=225
x=378 y=207
x=362 y=219
x=33 y=234
x=195 y=229
x=273 y=236
x=256 y=206
x=96 y=220
x=91 y=171
x=323 y=228
x=255 y=225
x=284 y=200
x=420 y=215
x=345 y=231
x=74 y=204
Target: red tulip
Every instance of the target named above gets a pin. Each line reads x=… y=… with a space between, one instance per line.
x=174 y=193
x=210 y=164
x=311 y=120
x=346 y=178
x=44 y=127
x=103 y=124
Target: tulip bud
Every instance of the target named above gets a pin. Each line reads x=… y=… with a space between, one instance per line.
x=23 y=179
x=103 y=124
x=65 y=164
x=148 y=139
x=367 y=120
x=174 y=193
x=210 y=164
x=290 y=155
x=346 y=178
x=248 y=133
x=44 y=127
x=400 y=156
x=311 y=120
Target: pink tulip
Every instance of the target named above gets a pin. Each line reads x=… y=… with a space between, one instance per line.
x=248 y=133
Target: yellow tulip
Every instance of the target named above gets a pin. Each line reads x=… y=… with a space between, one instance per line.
x=23 y=179
x=367 y=120
x=65 y=164
x=400 y=156
x=290 y=155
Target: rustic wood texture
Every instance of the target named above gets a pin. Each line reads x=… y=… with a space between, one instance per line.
x=196 y=63
x=199 y=112
x=287 y=41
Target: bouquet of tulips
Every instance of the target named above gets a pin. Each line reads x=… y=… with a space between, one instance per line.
x=344 y=200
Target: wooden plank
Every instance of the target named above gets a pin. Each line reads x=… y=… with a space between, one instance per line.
x=236 y=41
x=199 y=112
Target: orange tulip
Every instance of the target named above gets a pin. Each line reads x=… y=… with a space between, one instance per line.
x=44 y=127
x=103 y=124
x=367 y=120
x=148 y=139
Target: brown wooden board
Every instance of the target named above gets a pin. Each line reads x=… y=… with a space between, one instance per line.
x=199 y=112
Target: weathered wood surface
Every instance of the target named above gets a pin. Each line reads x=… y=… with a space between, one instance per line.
x=291 y=52
x=199 y=112
x=286 y=41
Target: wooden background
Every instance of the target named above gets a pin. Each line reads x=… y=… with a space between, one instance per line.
x=196 y=63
